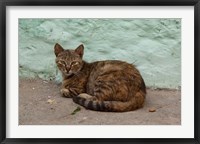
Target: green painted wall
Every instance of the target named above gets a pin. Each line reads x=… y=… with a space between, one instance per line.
x=153 y=45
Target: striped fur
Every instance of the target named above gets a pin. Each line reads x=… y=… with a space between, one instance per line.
x=110 y=85
x=109 y=106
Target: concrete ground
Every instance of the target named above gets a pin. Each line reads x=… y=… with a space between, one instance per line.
x=40 y=103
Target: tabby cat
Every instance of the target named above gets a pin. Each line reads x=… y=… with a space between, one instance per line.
x=110 y=85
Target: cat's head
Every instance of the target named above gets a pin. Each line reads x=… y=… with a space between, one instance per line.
x=69 y=62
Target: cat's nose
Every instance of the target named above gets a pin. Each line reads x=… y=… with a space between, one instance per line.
x=67 y=68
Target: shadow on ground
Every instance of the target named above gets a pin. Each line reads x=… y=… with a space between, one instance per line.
x=40 y=103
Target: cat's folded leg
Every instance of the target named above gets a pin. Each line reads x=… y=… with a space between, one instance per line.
x=71 y=92
x=87 y=96
x=65 y=92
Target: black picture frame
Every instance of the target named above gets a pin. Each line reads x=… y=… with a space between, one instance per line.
x=5 y=3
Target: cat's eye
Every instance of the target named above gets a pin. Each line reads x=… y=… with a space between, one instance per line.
x=75 y=63
x=59 y=64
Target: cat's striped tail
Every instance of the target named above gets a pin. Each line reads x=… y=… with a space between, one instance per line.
x=110 y=106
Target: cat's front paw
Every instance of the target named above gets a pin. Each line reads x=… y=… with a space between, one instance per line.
x=85 y=96
x=65 y=92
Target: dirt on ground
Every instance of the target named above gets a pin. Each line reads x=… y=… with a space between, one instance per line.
x=40 y=103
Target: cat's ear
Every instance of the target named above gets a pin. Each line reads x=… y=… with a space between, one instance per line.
x=80 y=50
x=58 y=49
